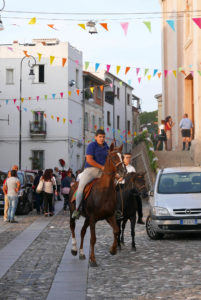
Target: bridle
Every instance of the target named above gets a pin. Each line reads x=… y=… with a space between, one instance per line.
x=114 y=163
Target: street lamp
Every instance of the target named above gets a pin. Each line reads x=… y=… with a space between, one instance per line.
x=1 y=23
x=31 y=76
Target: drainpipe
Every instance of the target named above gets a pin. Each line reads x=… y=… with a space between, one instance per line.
x=114 y=115
x=126 y=127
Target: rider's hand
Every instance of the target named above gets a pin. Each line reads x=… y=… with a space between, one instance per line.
x=102 y=168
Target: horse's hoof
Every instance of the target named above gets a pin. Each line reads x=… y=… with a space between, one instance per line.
x=113 y=252
x=82 y=257
x=93 y=264
x=74 y=252
x=133 y=248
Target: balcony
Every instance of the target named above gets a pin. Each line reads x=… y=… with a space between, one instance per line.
x=37 y=129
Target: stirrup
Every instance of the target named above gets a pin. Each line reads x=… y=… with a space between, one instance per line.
x=119 y=215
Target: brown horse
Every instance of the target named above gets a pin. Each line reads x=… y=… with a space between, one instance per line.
x=100 y=204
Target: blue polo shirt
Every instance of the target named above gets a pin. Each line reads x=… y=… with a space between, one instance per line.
x=99 y=153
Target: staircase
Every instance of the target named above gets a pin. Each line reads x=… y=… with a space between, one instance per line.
x=169 y=159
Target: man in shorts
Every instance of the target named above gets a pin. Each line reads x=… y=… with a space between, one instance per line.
x=186 y=126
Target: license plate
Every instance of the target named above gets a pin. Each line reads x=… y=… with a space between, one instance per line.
x=2 y=202
x=189 y=222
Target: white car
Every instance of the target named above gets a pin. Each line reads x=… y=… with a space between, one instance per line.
x=175 y=203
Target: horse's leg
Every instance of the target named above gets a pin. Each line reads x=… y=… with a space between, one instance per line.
x=133 y=221
x=83 y=232
x=72 y=228
x=119 y=234
x=92 y=244
x=123 y=228
x=113 y=224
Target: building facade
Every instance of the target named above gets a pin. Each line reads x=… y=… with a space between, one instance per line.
x=51 y=105
x=182 y=52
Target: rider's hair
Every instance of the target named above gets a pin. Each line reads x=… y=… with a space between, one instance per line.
x=127 y=153
x=100 y=131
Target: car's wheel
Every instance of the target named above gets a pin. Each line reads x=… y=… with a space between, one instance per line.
x=26 y=208
x=151 y=231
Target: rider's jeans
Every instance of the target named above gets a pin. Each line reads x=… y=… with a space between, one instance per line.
x=88 y=175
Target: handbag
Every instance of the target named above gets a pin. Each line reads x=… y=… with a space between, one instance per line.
x=65 y=190
x=40 y=186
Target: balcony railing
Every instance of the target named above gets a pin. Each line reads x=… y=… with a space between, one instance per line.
x=37 y=128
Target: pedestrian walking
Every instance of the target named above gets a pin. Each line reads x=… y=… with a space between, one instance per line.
x=161 y=135
x=58 y=182
x=168 y=129
x=49 y=186
x=38 y=196
x=65 y=188
x=5 y=217
x=13 y=186
x=186 y=126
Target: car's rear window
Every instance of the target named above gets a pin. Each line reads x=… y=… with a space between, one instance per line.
x=180 y=183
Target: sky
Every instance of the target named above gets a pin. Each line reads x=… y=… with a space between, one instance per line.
x=139 y=49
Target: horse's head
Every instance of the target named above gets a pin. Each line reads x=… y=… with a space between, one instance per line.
x=115 y=159
x=138 y=180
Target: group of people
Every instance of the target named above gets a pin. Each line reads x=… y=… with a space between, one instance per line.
x=165 y=133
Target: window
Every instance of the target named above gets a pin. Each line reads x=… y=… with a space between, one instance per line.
x=99 y=123
x=37 y=159
x=77 y=79
x=118 y=122
x=108 y=118
x=38 y=117
x=9 y=76
x=118 y=92
x=99 y=93
x=39 y=71
x=129 y=126
x=93 y=123
x=86 y=121
x=128 y=99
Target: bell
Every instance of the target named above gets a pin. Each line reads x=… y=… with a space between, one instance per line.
x=31 y=74
x=93 y=30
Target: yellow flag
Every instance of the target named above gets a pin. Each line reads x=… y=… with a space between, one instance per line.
x=82 y=26
x=175 y=73
x=39 y=56
x=32 y=21
x=52 y=117
x=22 y=100
x=52 y=59
x=69 y=93
x=92 y=89
x=149 y=77
x=118 y=69
x=64 y=120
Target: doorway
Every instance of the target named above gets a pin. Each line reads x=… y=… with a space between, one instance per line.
x=189 y=100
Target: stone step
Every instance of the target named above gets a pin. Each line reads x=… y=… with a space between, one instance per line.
x=174 y=159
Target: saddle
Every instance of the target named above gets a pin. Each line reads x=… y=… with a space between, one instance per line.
x=86 y=192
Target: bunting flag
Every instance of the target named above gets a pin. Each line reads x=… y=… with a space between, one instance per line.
x=118 y=69
x=101 y=87
x=171 y=24
x=52 y=59
x=155 y=72
x=78 y=92
x=175 y=73
x=92 y=89
x=197 y=21
x=125 y=27
x=139 y=79
x=120 y=83
x=192 y=73
x=52 y=117
x=6 y=101
x=159 y=75
x=61 y=94
x=69 y=93
x=137 y=70
x=64 y=120
x=58 y=119
x=183 y=72
x=129 y=81
x=107 y=129
x=32 y=21
x=10 y=48
x=22 y=100
x=104 y=25
x=37 y=98
x=77 y=62
x=108 y=68
x=39 y=56
x=149 y=77
x=29 y=98
x=96 y=66
x=64 y=59
x=86 y=65
x=165 y=72
x=148 y=25
x=45 y=97
x=146 y=71
x=51 y=26
x=126 y=70
x=71 y=121
x=82 y=26
x=18 y=107
x=53 y=96
x=14 y=100
x=25 y=53
x=180 y=69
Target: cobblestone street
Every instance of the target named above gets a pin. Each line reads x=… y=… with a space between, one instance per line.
x=166 y=269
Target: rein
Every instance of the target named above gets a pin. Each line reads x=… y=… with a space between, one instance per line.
x=115 y=165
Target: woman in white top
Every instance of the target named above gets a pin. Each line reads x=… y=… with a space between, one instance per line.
x=49 y=185
x=161 y=135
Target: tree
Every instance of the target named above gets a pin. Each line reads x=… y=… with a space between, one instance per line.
x=148 y=117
